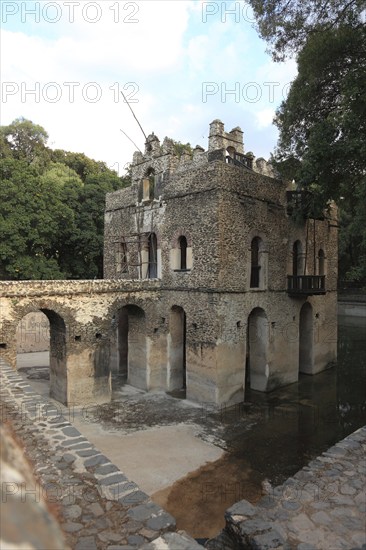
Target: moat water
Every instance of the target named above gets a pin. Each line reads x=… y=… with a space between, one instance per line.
x=270 y=436
x=304 y=419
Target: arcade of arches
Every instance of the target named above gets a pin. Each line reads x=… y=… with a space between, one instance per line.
x=153 y=339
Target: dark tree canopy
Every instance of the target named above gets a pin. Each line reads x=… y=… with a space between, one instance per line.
x=322 y=127
x=287 y=24
x=322 y=123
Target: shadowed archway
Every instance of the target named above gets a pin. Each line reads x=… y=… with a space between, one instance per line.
x=257 y=369
x=131 y=346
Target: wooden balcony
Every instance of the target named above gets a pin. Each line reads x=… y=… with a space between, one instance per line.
x=305 y=285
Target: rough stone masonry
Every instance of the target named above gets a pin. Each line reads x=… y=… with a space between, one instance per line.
x=211 y=283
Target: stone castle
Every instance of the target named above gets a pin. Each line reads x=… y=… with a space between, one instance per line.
x=242 y=296
x=211 y=284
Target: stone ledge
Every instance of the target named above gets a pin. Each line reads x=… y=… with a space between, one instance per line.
x=321 y=506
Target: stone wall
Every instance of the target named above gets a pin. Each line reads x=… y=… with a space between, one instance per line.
x=33 y=333
x=220 y=208
x=241 y=325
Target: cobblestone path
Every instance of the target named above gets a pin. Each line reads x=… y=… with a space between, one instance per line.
x=97 y=506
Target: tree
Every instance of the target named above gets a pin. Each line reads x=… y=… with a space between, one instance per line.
x=26 y=141
x=32 y=218
x=51 y=207
x=287 y=24
x=322 y=123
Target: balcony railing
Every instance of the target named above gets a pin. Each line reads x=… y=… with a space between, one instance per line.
x=305 y=285
x=240 y=160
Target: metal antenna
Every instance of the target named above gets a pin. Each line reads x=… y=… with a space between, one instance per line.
x=134 y=116
x=130 y=140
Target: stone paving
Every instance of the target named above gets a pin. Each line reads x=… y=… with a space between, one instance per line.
x=322 y=507
x=97 y=506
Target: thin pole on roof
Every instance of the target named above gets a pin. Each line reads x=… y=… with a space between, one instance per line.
x=134 y=116
x=130 y=140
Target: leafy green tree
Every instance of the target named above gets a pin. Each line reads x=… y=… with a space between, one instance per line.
x=322 y=123
x=32 y=216
x=287 y=24
x=26 y=141
x=51 y=207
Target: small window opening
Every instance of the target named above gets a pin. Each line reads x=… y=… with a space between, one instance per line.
x=148 y=185
x=153 y=256
x=183 y=252
x=255 y=267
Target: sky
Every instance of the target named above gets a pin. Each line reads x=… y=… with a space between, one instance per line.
x=180 y=64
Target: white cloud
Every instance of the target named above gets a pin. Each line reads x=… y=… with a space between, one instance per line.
x=166 y=57
x=265 y=118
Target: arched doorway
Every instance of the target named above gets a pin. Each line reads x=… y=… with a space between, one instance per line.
x=306 y=339
x=177 y=374
x=257 y=368
x=131 y=346
x=51 y=335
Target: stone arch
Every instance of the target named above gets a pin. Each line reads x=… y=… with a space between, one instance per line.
x=306 y=339
x=176 y=372
x=131 y=345
x=257 y=367
x=230 y=152
x=58 y=352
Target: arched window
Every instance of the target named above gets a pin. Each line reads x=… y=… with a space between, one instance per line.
x=183 y=252
x=321 y=262
x=254 y=263
x=152 y=256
